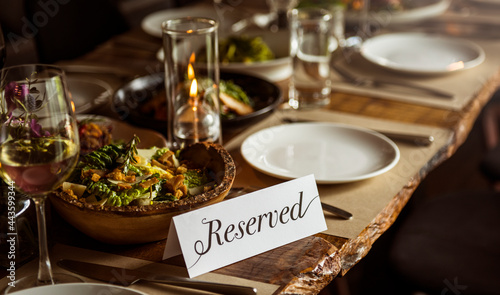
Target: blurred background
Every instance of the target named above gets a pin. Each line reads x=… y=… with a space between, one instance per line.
x=83 y=23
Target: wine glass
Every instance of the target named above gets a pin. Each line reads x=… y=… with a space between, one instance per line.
x=39 y=147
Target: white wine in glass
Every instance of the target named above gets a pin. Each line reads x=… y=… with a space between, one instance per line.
x=39 y=148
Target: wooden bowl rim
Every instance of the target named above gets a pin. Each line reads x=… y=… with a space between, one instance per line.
x=167 y=207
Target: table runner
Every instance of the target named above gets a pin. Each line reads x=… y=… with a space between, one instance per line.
x=365 y=199
x=463 y=84
x=60 y=251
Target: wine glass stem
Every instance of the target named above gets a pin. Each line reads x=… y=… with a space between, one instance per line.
x=44 y=268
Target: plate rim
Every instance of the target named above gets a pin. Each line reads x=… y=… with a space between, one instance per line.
x=86 y=284
x=367 y=131
x=430 y=37
x=146 y=22
x=94 y=102
x=407 y=15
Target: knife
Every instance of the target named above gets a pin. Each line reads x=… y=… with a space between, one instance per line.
x=358 y=81
x=127 y=277
x=420 y=140
x=340 y=212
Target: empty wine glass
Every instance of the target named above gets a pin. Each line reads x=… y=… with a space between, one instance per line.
x=39 y=147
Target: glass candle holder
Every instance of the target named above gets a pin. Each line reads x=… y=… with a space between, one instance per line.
x=192 y=80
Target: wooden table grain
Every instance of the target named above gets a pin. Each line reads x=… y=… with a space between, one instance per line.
x=308 y=265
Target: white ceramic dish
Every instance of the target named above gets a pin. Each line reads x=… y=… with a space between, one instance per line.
x=151 y=24
x=334 y=153
x=274 y=70
x=88 y=93
x=487 y=2
x=123 y=131
x=79 y=289
x=421 y=10
x=420 y=53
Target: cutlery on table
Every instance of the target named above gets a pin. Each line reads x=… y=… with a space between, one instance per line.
x=375 y=82
x=421 y=140
x=127 y=277
x=237 y=191
x=335 y=210
x=261 y=20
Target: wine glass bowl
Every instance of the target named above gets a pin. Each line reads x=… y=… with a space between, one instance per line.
x=39 y=144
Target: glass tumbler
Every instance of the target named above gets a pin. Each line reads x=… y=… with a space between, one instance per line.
x=312 y=42
x=192 y=80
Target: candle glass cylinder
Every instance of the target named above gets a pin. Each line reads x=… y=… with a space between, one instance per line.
x=192 y=80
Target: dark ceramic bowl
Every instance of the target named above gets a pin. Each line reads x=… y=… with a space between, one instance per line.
x=134 y=101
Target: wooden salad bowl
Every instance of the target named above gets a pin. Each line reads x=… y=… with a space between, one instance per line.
x=142 y=224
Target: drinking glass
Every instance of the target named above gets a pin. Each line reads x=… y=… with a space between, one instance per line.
x=312 y=42
x=39 y=147
x=192 y=80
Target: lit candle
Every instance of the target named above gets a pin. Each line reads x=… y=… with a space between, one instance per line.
x=190 y=71
x=193 y=97
x=193 y=93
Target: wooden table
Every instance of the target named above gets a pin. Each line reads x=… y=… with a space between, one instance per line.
x=308 y=265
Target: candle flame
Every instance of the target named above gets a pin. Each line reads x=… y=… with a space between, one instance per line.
x=190 y=72
x=193 y=91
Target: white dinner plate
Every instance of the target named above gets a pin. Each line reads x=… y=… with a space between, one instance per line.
x=88 y=93
x=79 y=289
x=420 y=53
x=334 y=153
x=412 y=11
x=151 y=24
x=487 y=2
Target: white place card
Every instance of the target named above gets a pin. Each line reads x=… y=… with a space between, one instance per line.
x=224 y=233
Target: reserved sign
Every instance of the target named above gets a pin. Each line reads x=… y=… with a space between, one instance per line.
x=221 y=234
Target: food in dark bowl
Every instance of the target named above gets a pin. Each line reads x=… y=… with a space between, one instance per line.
x=118 y=205
x=93 y=134
x=143 y=100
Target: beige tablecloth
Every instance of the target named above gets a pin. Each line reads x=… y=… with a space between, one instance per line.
x=364 y=199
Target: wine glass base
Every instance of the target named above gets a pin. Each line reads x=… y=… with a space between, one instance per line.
x=32 y=282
